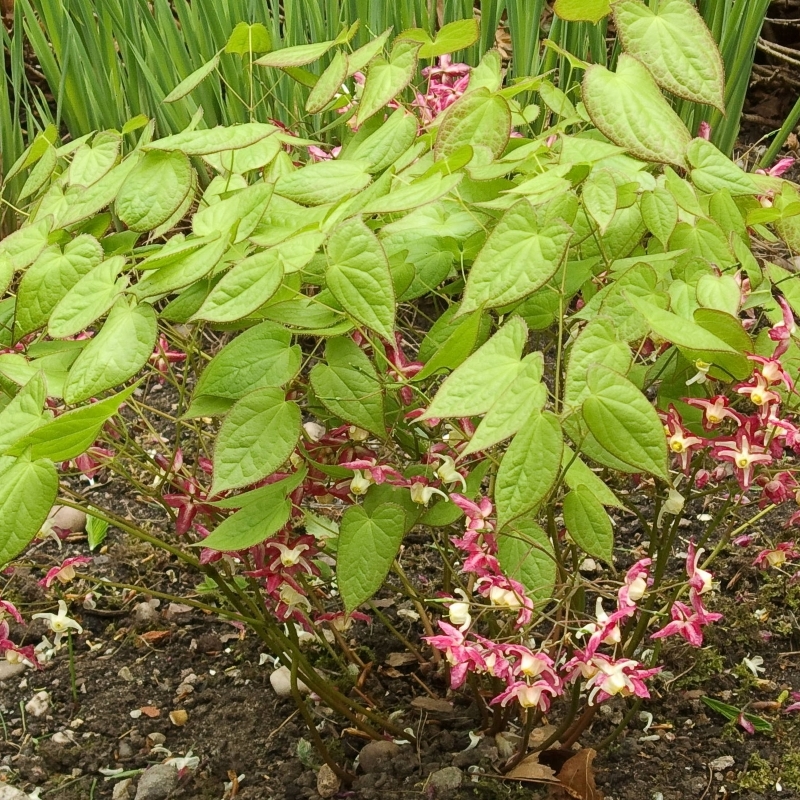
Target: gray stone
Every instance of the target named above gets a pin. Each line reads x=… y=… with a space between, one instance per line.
x=721 y=763
x=145 y=614
x=10 y=793
x=375 y=755
x=157 y=782
x=123 y=789
x=9 y=670
x=38 y=704
x=444 y=781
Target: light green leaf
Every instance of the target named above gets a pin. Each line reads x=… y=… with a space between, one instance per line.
x=258 y=434
x=23 y=414
x=597 y=344
x=556 y=100
x=628 y=108
x=244 y=288
x=480 y=119
x=455 y=348
x=712 y=170
x=719 y=291
x=582 y=10
x=154 y=190
x=214 y=140
x=383 y=147
x=92 y=162
x=6 y=273
x=51 y=276
x=245 y=159
x=253 y=523
x=28 y=490
x=387 y=78
x=359 y=59
x=359 y=277
x=368 y=544
x=261 y=356
x=348 y=385
x=579 y=474
x=659 y=213
x=526 y=555
x=451 y=37
x=600 y=197
x=295 y=56
x=184 y=271
x=96 y=530
x=525 y=396
x=324 y=182
x=328 y=85
x=625 y=423
x=415 y=195
x=588 y=524
x=694 y=340
x=474 y=387
x=24 y=246
x=88 y=299
x=245 y=39
x=71 y=433
x=529 y=467
x=116 y=354
x=677 y=47
x=80 y=203
x=519 y=257
x=242 y=212
x=194 y=79
x=40 y=174
x=703 y=238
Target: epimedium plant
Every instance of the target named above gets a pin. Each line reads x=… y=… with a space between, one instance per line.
x=511 y=341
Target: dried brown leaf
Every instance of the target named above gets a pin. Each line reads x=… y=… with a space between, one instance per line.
x=529 y=769
x=401 y=659
x=432 y=705
x=577 y=776
x=150 y=711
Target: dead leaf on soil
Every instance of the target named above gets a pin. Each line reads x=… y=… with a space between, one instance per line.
x=432 y=705
x=150 y=711
x=401 y=659
x=154 y=637
x=391 y=672
x=178 y=717
x=529 y=769
x=577 y=777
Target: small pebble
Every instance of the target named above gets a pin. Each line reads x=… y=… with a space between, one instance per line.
x=38 y=704
x=281 y=680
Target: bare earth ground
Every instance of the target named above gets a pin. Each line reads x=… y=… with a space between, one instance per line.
x=134 y=656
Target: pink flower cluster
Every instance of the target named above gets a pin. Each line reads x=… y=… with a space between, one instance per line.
x=753 y=441
x=532 y=678
x=13 y=652
x=446 y=83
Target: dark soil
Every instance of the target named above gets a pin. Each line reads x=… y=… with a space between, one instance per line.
x=172 y=658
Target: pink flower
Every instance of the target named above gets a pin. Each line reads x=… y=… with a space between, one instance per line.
x=745 y=723
x=699 y=579
x=688 y=622
x=760 y=394
x=794 y=706
x=777 y=489
x=704 y=131
x=463 y=658
x=163 y=356
x=637 y=579
x=528 y=695
x=90 y=462
x=715 y=410
x=606 y=677
x=743 y=454
x=783 y=331
x=773 y=371
x=13 y=653
x=10 y=608
x=680 y=440
x=779 y=168
x=63 y=573
x=776 y=557
x=477 y=514
x=189 y=503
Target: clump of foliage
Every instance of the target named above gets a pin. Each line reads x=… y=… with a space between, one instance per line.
x=508 y=340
